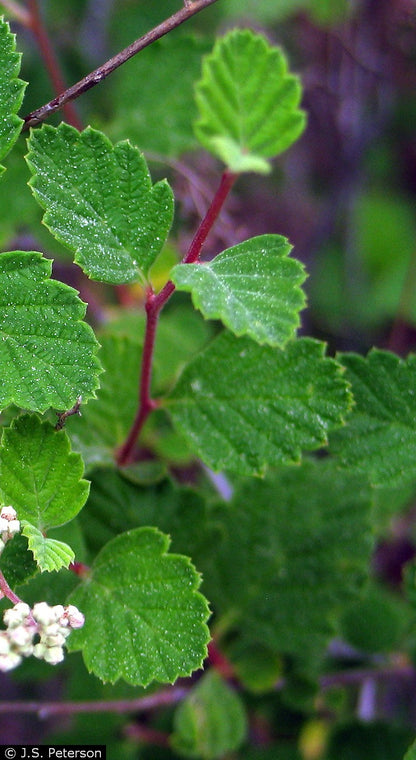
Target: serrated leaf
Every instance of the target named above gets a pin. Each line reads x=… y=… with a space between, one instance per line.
x=100 y=201
x=253 y=288
x=248 y=102
x=47 y=353
x=242 y=406
x=211 y=721
x=39 y=475
x=295 y=550
x=145 y=619
x=48 y=553
x=11 y=90
x=380 y=437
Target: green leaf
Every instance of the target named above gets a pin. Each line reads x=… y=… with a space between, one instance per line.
x=211 y=721
x=145 y=619
x=242 y=406
x=411 y=752
x=39 y=475
x=380 y=437
x=248 y=102
x=16 y=562
x=253 y=288
x=49 y=554
x=104 y=423
x=100 y=201
x=47 y=353
x=295 y=551
x=137 y=102
x=11 y=91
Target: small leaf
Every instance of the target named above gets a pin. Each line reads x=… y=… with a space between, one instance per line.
x=49 y=554
x=100 y=201
x=39 y=475
x=380 y=437
x=211 y=721
x=47 y=353
x=145 y=619
x=253 y=288
x=242 y=406
x=11 y=91
x=248 y=102
x=16 y=562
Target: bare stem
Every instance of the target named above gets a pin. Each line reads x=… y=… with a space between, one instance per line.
x=154 y=306
x=96 y=76
x=51 y=61
x=46 y=709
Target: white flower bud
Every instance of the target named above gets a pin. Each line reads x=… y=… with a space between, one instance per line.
x=16 y=615
x=57 y=611
x=14 y=527
x=39 y=650
x=8 y=513
x=53 y=639
x=20 y=636
x=75 y=618
x=4 y=644
x=9 y=661
x=53 y=655
x=43 y=614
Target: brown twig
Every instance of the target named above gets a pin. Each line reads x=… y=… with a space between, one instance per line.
x=45 y=709
x=99 y=74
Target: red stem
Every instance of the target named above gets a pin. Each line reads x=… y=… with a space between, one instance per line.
x=154 y=306
x=6 y=590
x=51 y=62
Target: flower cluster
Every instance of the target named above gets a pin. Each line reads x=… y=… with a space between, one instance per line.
x=41 y=631
x=9 y=525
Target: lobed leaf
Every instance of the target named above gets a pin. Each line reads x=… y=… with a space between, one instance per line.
x=211 y=721
x=380 y=437
x=39 y=475
x=11 y=91
x=253 y=288
x=100 y=201
x=248 y=102
x=47 y=353
x=48 y=553
x=145 y=619
x=243 y=407
x=295 y=551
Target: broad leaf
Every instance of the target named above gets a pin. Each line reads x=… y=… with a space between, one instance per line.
x=11 y=91
x=39 y=475
x=100 y=201
x=47 y=353
x=248 y=102
x=253 y=288
x=48 y=553
x=16 y=562
x=211 y=721
x=145 y=619
x=242 y=406
x=380 y=437
x=295 y=550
